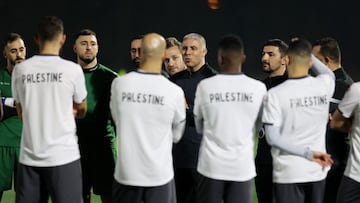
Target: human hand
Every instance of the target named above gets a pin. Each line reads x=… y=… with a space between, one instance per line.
x=322 y=158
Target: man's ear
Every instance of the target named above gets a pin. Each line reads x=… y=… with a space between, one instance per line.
x=63 y=39
x=220 y=60
x=287 y=60
x=283 y=61
x=327 y=59
x=36 y=40
x=243 y=58
x=205 y=51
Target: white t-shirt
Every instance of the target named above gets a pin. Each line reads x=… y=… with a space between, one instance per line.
x=350 y=107
x=299 y=107
x=149 y=114
x=46 y=87
x=227 y=108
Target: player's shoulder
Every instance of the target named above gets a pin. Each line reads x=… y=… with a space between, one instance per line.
x=107 y=69
x=254 y=81
x=355 y=87
x=280 y=88
x=128 y=78
x=2 y=70
x=106 y=72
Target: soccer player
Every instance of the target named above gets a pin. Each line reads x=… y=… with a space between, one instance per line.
x=174 y=62
x=49 y=91
x=135 y=54
x=10 y=127
x=149 y=113
x=96 y=132
x=227 y=112
x=186 y=152
x=327 y=50
x=135 y=50
x=273 y=60
x=295 y=117
x=346 y=119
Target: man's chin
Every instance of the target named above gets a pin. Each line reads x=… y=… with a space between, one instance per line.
x=267 y=71
x=87 y=60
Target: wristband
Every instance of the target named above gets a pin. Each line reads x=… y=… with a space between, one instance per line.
x=8 y=101
x=309 y=154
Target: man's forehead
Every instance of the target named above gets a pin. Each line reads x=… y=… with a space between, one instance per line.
x=90 y=38
x=270 y=48
x=136 y=43
x=191 y=41
x=18 y=43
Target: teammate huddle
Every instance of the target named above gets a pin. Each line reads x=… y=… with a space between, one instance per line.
x=193 y=140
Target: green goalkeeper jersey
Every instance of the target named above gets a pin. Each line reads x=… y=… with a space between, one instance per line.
x=97 y=125
x=10 y=128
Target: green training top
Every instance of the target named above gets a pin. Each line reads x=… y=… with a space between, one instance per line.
x=97 y=124
x=10 y=128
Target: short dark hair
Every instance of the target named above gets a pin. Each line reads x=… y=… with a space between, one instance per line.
x=12 y=36
x=231 y=42
x=49 y=28
x=300 y=47
x=137 y=37
x=277 y=43
x=172 y=42
x=329 y=47
x=85 y=32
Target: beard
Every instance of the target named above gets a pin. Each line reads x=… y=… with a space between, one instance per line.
x=267 y=71
x=16 y=61
x=136 y=63
x=87 y=60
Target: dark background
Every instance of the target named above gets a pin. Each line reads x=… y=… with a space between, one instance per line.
x=117 y=21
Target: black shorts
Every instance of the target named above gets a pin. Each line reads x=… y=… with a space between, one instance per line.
x=134 y=194
x=215 y=191
x=98 y=165
x=349 y=191
x=62 y=183
x=299 y=192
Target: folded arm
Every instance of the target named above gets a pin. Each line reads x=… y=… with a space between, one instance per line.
x=274 y=139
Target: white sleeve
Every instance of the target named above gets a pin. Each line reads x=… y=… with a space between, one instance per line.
x=80 y=87
x=325 y=74
x=113 y=101
x=198 y=115
x=258 y=122
x=179 y=121
x=319 y=68
x=275 y=139
x=14 y=82
x=271 y=110
x=350 y=101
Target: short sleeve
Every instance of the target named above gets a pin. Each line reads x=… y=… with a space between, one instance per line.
x=272 y=110
x=198 y=102
x=180 y=114
x=80 y=88
x=350 y=101
x=329 y=83
x=113 y=99
x=14 y=83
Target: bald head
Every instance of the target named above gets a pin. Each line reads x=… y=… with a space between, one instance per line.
x=152 y=52
x=153 y=46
